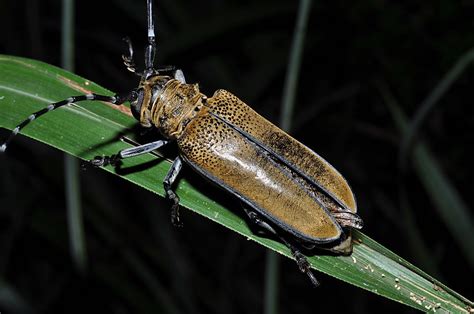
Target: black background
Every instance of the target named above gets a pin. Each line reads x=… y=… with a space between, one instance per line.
x=241 y=46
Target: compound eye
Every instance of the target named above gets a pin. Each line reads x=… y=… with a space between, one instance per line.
x=136 y=105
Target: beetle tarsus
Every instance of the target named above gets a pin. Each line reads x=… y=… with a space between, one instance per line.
x=170 y=194
x=98 y=161
x=304 y=265
x=102 y=161
x=175 y=220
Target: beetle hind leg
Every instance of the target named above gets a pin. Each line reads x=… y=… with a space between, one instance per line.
x=304 y=265
x=301 y=260
x=348 y=219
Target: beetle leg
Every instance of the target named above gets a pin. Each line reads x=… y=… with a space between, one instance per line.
x=128 y=60
x=348 y=219
x=179 y=75
x=304 y=265
x=301 y=260
x=113 y=160
x=170 y=194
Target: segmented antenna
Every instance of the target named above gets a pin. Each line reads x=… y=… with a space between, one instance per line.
x=116 y=100
x=151 y=47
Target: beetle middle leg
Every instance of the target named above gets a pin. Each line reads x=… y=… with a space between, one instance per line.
x=170 y=194
x=301 y=260
x=170 y=178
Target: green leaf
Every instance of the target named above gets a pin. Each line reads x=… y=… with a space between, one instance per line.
x=88 y=129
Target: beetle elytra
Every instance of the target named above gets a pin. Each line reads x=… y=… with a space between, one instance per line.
x=286 y=189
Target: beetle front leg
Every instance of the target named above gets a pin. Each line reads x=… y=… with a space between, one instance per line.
x=170 y=194
x=177 y=74
x=113 y=160
x=128 y=59
x=301 y=260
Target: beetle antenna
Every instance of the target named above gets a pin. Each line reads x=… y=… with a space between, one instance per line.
x=151 y=47
x=116 y=100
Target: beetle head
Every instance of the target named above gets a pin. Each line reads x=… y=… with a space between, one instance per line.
x=146 y=96
x=137 y=103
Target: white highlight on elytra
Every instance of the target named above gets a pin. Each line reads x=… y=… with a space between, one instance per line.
x=16 y=130
x=260 y=174
x=31 y=117
x=89 y=96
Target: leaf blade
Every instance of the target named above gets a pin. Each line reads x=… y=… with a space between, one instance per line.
x=89 y=129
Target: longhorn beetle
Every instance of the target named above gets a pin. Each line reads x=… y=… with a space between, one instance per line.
x=286 y=189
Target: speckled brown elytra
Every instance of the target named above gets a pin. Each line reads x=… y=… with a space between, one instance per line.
x=286 y=189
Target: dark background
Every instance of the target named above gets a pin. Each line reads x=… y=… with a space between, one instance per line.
x=139 y=263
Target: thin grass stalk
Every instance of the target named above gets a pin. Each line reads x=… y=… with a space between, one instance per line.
x=12 y=301
x=71 y=164
x=287 y=109
x=409 y=226
x=452 y=209
x=449 y=205
x=272 y=272
x=429 y=103
x=294 y=65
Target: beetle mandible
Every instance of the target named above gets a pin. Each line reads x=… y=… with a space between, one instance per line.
x=290 y=192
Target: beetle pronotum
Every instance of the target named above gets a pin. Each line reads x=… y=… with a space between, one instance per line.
x=290 y=192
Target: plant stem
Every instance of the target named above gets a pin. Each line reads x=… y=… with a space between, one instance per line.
x=287 y=109
x=71 y=164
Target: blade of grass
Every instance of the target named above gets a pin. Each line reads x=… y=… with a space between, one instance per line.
x=403 y=218
x=138 y=266
x=12 y=301
x=428 y=104
x=89 y=129
x=294 y=65
x=450 y=207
